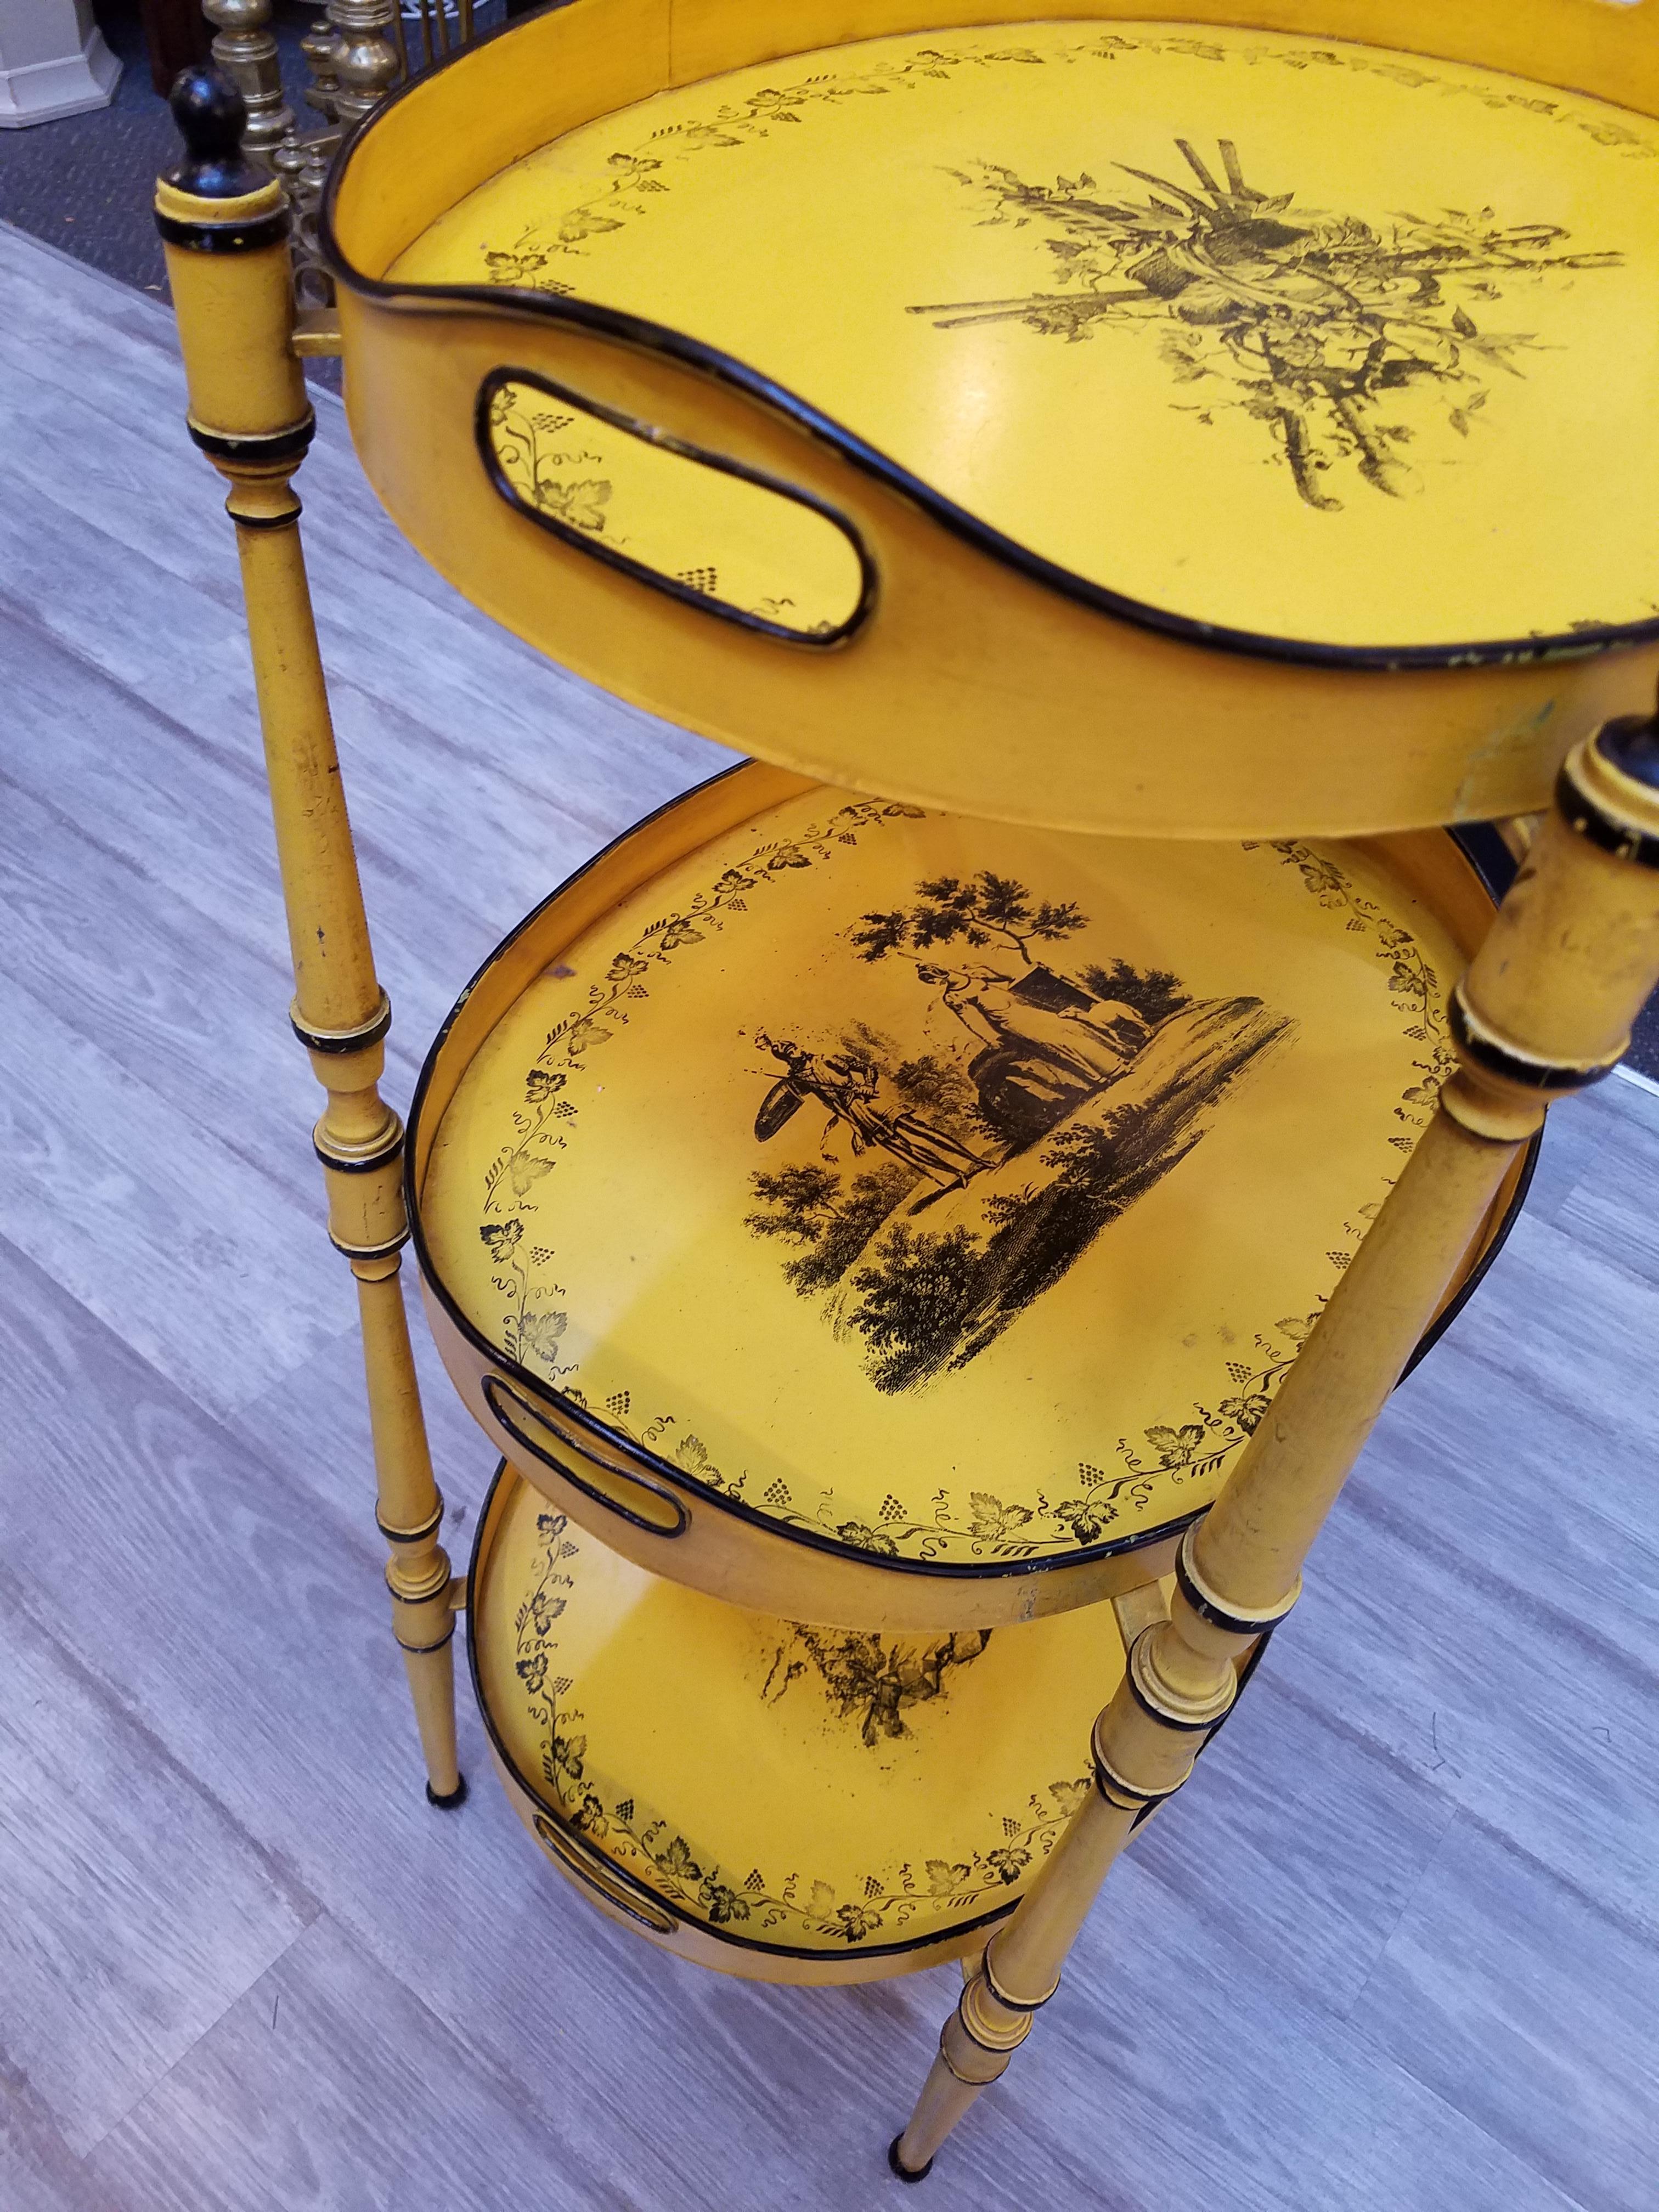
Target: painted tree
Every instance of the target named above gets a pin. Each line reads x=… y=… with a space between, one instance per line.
x=800 y=1203
x=811 y=1207
x=1154 y=993
x=980 y=910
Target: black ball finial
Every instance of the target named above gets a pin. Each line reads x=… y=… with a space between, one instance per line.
x=211 y=116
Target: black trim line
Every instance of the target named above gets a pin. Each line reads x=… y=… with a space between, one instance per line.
x=1629 y=743
x=412 y=1535
x=341 y=1041
x=609 y=1882
x=1531 y=1074
x=368 y=1251
x=1480 y=845
x=1115 y=1789
x=503 y=302
x=264 y=521
x=1008 y=2003
x=276 y=446
x=360 y=1164
x=224 y=237
x=1230 y=1624
x=1159 y=1713
x=1252 y=1660
x=705 y=602
x=494 y=1389
x=510 y=1767
x=446 y=1638
x=1483 y=847
x=1589 y=819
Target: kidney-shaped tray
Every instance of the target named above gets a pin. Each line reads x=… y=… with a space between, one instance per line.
x=1110 y=421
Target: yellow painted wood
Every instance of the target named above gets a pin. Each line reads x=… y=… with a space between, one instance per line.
x=1570 y=961
x=776 y=1240
x=1264 y=395
x=975 y=684
x=235 y=318
x=242 y=379
x=790 y=1803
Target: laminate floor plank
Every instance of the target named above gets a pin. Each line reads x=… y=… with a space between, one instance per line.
x=39 y=2173
x=193 y=818
x=1525 y=2007
x=1194 y=2083
x=494 y=745
x=123 y=962
x=507 y=1947
x=330 y=2088
x=1613 y=1134
x=314 y=1423
x=1313 y=1898
x=136 y=1910
x=373 y=593
x=183 y=815
x=1489 y=1627
x=201 y=1261
x=1575 y=1330
x=1389 y=1950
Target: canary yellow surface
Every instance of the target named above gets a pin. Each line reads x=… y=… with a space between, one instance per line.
x=1304 y=337
x=812 y=1790
x=730 y=540
x=940 y=1191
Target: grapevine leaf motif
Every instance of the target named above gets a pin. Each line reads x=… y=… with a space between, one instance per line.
x=657 y=1853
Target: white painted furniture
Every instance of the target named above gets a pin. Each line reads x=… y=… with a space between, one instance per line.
x=54 y=62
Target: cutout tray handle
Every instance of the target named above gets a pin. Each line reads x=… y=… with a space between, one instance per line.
x=643 y=1504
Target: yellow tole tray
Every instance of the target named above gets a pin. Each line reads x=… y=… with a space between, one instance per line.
x=1119 y=420
x=895 y=1219
x=793 y=1804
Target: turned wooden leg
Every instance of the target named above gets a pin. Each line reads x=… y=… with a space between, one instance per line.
x=225 y=226
x=1544 y=1010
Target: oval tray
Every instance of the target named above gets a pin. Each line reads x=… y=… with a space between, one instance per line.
x=895 y=1218
x=1117 y=421
x=788 y=1803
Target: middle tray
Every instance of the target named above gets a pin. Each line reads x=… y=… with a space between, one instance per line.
x=892 y=1219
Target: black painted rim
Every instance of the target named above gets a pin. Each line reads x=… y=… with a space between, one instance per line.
x=555 y=1818
x=1492 y=863
x=596 y=548
x=648 y=337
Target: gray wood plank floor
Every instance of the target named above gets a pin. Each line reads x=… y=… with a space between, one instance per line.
x=1398 y=1946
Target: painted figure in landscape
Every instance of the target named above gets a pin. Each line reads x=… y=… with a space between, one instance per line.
x=1029 y=1108
x=847 y=1082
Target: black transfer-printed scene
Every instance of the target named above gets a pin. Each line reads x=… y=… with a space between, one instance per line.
x=1320 y=326
x=1071 y=1084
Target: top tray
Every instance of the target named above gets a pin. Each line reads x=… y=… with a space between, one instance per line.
x=1218 y=366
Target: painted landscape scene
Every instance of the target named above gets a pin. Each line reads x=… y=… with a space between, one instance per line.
x=928 y=1189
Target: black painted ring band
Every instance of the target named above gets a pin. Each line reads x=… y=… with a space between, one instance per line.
x=224 y=237
x=1528 y=1075
x=1587 y=817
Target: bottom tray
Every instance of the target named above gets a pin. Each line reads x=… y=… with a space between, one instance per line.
x=791 y=1803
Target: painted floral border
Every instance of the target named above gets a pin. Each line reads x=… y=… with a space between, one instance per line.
x=641 y=175
x=1078 y=1507
x=803 y=1911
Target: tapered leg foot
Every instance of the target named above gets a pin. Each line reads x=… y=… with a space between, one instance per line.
x=432 y=1680
x=900 y=2168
